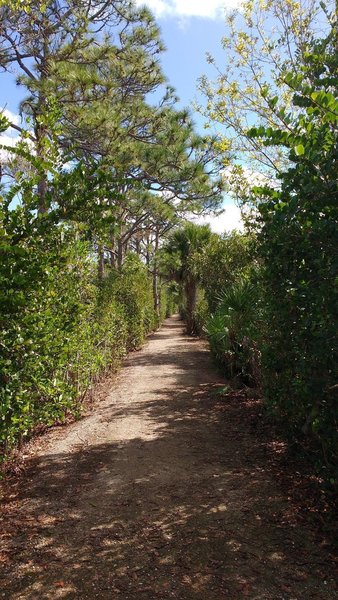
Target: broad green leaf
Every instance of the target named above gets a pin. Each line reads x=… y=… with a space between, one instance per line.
x=299 y=150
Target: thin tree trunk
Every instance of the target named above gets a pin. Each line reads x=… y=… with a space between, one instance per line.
x=100 y=265
x=156 y=291
x=41 y=131
x=147 y=252
x=113 y=253
x=40 y=134
x=120 y=253
x=42 y=191
x=120 y=245
x=137 y=246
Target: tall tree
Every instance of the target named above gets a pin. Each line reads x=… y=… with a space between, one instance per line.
x=263 y=41
x=42 y=44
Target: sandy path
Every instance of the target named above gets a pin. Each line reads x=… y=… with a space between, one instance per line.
x=160 y=493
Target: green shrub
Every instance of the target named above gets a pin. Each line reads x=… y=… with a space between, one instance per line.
x=201 y=313
x=61 y=327
x=133 y=290
x=297 y=243
x=168 y=303
x=234 y=332
x=227 y=259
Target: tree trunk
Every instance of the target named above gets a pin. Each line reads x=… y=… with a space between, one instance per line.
x=100 y=266
x=147 y=252
x=137 y=246
x=42 y=191
x=41 y=134
x=120 y=253
x=41 y=131
x=156 y=291
x=113 y=253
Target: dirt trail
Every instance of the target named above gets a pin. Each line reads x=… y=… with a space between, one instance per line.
x=162 y=492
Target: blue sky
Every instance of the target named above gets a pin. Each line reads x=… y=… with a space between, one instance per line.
x=187 y=42
x=190 y=29
x=187 y=36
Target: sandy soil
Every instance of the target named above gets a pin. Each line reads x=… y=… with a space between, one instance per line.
x=161 y=492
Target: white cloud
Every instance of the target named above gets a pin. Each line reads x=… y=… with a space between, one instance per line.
x=158 y=7
x=240 y=180
x=208 y=9
x=13 y=118
x=245 y=176
x=10 y=137
x=6 y=140
x=229 y=220
x=10 y=132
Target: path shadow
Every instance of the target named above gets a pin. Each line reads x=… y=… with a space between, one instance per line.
x=112 y=521
x=188 y=511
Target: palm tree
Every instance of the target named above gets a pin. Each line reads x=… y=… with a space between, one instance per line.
x=178 y=255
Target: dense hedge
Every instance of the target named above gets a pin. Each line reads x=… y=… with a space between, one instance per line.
x=270 y=318
x=62 y=327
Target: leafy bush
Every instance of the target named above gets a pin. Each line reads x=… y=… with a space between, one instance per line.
x=61 y=327
x=234 y=332
x=133 y=291
x=201 y=313
x=225 y=260
x=297 y=241
x=169 y=300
